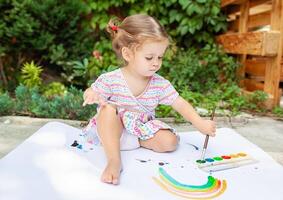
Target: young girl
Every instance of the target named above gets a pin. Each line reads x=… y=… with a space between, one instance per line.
x=127 y=97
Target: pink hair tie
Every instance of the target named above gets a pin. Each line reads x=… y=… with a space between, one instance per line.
x=114 y=28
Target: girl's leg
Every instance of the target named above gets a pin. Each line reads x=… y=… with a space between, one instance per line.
x=110 y=128
x=163 y=141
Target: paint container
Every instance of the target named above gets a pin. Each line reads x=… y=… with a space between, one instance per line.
x=224 y=162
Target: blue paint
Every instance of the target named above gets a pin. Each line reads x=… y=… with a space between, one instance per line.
x=209 y=160
x=197 y=148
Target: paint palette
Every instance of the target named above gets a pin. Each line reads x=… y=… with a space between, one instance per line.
x=211 y=189
x=225 y=162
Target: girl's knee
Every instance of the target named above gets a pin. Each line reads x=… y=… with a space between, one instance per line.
x=168 y=142
x=108 y=121
x=106 y=110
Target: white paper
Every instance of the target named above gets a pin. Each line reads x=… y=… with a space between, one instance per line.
x=46 y=167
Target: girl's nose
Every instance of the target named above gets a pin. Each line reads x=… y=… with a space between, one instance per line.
x=155 y=62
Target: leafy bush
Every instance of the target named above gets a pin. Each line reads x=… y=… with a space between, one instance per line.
x=187 y=21
x=256 y=101
x=278 y=111
x=69 y=106
x=223 y=97
x=23 y=99
x=50 y=32
x=199 y=69
x=6 y=104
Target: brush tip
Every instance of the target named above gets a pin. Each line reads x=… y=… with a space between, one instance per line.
x=202 y=154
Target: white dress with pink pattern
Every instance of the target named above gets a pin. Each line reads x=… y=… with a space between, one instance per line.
x=137 y=113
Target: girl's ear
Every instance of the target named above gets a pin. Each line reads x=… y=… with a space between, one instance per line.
x=127 y=54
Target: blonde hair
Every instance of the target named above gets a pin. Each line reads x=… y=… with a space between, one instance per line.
x=133 y=31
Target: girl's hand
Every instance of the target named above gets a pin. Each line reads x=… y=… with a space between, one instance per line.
x=91 y=97
x=207 y=127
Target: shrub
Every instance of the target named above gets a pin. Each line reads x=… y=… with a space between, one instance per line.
x=50 y=32
x=256 y=101
x=6 y=104
x=199 y=70
x=278 y=111
x=187 y=21
x=69 y=106
x=23 y=99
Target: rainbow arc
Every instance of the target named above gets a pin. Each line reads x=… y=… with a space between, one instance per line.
x=211 y=189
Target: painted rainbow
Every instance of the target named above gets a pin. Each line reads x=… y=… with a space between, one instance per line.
x=211 y=189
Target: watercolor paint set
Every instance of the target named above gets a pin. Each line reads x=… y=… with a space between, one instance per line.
x=225 y=162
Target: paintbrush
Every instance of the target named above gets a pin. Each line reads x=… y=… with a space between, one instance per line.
x=207 y=137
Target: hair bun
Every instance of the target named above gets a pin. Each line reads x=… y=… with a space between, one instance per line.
x=112 y=27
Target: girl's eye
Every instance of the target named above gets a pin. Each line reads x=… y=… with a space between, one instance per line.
x=148 y=58
x=160 y=57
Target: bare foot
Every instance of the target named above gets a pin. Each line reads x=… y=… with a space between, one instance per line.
x=111 y=172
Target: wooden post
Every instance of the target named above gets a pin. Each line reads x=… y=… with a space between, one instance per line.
x=273 y=68
x=243 y=28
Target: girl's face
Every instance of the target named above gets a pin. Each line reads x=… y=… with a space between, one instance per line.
x=147 y=58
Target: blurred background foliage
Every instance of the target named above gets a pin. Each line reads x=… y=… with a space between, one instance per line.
x=51 y=50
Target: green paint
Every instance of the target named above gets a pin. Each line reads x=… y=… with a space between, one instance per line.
x=200 y=161
x=217 y=158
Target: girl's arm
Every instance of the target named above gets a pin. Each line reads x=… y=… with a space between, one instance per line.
x=185 y=109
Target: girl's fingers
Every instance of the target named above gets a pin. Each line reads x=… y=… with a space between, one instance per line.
x=92 y=100
x=93 y=96
x=101 y=102
x=88 y=101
